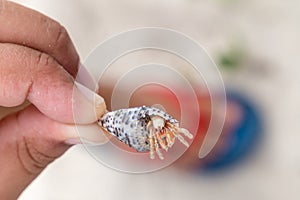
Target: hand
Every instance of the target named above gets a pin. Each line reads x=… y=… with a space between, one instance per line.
x=38 y=62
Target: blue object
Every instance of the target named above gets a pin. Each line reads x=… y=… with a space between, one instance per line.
x=243 y=140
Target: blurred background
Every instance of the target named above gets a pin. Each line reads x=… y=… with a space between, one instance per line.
x=256 y=47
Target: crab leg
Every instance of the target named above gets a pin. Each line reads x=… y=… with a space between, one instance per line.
x=160 y=141
x=185 y=132
x=157 y=147
x=180 y=138
x=181 y=130
x=152 y=147
x=169 y=140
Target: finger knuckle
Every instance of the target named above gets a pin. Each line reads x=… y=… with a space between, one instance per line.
x=32 y=160
x=60 y=36
x=43 y=59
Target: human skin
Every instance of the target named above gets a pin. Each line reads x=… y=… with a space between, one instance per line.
x=38 y=63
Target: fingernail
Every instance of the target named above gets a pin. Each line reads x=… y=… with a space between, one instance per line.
x=73 y=141
x=85 y=134
x=85 y=78
x=88 y=106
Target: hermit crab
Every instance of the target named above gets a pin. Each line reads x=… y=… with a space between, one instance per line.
x=144 y=129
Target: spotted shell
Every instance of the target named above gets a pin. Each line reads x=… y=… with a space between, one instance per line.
x=144 y=129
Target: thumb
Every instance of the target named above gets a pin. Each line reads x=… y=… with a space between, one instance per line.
x=29 y=74
x=30 y=141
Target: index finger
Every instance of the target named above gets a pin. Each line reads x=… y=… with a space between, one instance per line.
x=24 y=26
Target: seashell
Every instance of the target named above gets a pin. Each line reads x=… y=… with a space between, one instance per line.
x=146 y=129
